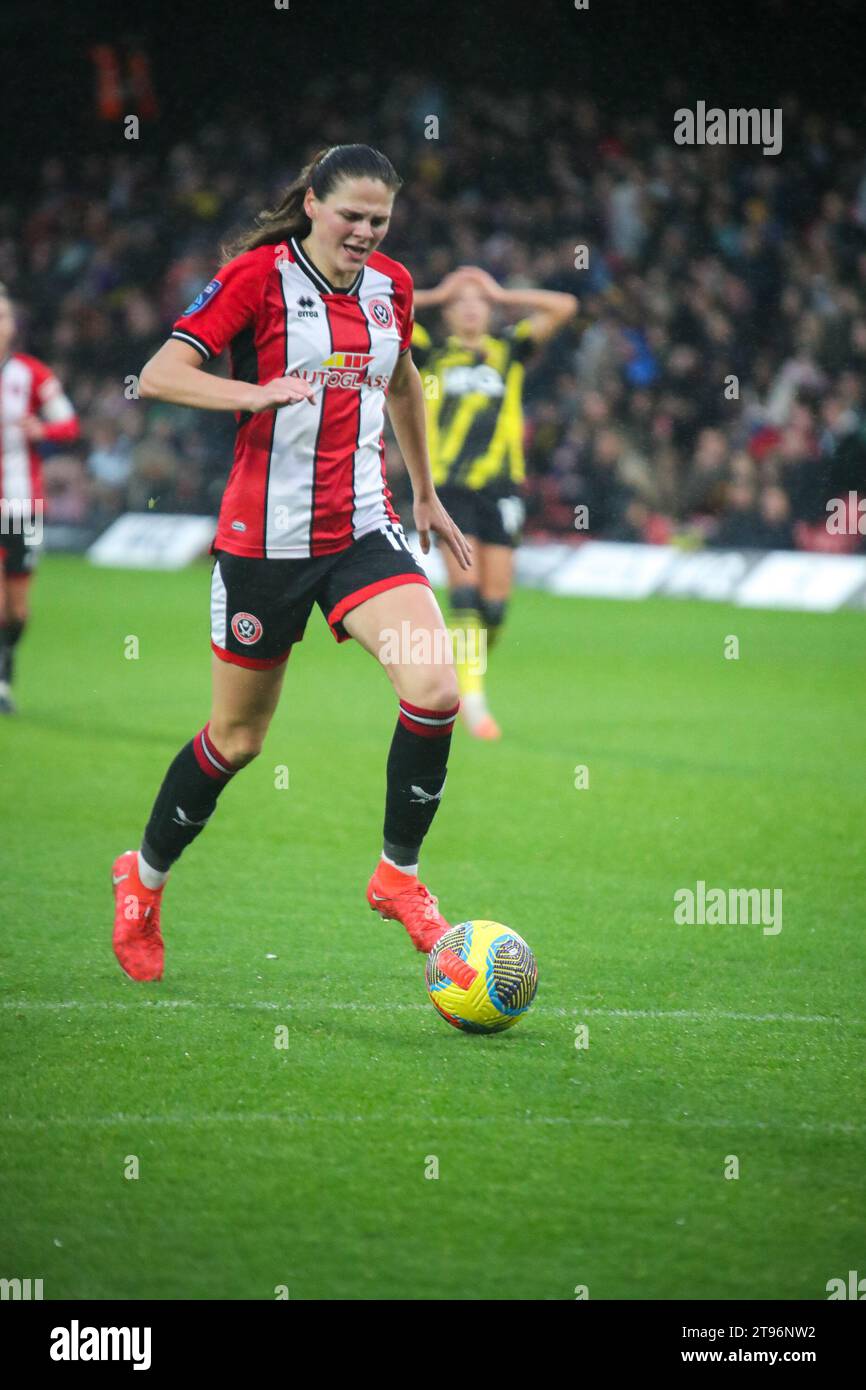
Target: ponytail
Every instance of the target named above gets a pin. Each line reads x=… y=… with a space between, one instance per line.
x=322 y=174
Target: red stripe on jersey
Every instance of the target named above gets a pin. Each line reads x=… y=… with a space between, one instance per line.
x=337 y=442
x=386 y=491
x=22 y=378
x=258 y=356
x=359 y=596
x=402 y=294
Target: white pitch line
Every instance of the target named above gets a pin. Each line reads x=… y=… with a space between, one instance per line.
x=62 y=1004
x=350 y=1006
x=276 y=1117
x=711 y=1015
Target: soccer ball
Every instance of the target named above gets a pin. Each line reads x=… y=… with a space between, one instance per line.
x=481 y=976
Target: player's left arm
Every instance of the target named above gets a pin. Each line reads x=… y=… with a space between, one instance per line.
x=406 y=413
x=547 y=310
x=52 y=418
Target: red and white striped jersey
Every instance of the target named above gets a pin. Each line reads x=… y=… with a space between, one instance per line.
x=28 y=387
x=307 y=479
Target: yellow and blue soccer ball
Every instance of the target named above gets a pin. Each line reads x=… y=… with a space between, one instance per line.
x=481 y=976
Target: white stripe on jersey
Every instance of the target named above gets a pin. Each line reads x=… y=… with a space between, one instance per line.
x=289 y=502
x=370 y=506
x=16 y=385
x=56 y=407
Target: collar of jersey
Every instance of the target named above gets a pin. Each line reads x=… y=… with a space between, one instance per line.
x=322 y=284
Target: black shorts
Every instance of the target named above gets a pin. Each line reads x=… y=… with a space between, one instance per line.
x=493 y=520
x=259 y=608
x=17 y=559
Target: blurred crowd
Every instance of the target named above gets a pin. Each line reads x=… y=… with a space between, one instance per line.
x=711 y=388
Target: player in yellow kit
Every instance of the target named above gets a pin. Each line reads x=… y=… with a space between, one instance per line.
x=473 y=385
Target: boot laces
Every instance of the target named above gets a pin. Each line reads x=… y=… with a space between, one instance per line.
x=422 y=902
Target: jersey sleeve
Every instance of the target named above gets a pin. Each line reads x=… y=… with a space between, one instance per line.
x=227 y=304
x=52 y=405
x=404 y=307
x=421 y=344
x=521 y=340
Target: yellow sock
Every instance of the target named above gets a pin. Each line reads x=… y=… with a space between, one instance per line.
x=469 y=640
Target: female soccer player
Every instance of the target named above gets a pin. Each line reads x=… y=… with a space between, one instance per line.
x=473 y=389
x=33 y=408
x=318 y=323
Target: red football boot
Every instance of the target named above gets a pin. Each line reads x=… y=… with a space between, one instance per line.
x=138 y=942
x=403 y=898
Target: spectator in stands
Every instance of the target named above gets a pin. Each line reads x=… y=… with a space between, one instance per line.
x=696 y=268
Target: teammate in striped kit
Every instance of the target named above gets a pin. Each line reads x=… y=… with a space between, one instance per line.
x=33 y=409
x=318 y=324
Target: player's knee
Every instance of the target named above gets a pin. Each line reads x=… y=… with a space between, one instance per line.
x=465 y=598
x=238 y=743
x=493 y=611
x=436 y=688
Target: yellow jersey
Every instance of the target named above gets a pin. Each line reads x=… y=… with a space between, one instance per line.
x=474 y=407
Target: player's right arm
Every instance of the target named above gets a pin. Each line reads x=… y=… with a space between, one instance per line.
x=175 y=374
x=224 y=308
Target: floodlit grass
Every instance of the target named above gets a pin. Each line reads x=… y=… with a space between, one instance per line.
x=558 y=1166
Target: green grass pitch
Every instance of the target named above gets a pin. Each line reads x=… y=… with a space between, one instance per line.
x=558 y=1167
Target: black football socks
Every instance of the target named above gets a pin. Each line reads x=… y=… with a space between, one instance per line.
x=186 y=801
x=10 y=635
x=417 y=765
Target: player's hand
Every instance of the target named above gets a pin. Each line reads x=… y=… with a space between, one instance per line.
x=429 y=516
x=484 y=281
x=283 y=390
x=32 y=428
x=450 y=286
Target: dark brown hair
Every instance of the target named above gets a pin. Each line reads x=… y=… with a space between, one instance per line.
x=322 y=174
